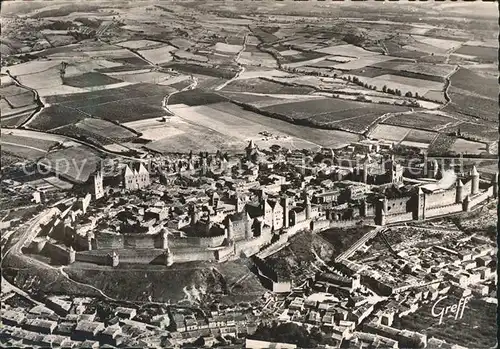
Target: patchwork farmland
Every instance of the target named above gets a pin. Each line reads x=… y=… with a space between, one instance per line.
x=351 y=116
x=337 y=78
x=190 y=159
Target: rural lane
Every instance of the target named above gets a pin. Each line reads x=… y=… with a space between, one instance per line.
x=192 y=86
x=242 y=67
x=39 y=102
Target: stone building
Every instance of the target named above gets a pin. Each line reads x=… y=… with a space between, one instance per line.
x=136 y=177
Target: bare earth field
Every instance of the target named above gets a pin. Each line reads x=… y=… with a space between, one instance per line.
x=334 y=113
x=421 y=120
x=134 y=102
x=264 y=86
x=74 y=161
x=389 y=132
x=238 y=126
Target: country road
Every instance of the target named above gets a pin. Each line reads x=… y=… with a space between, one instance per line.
x=23 y=146
x=24 y=239
x=241 y=66
x=39 y=102
x=192 y=86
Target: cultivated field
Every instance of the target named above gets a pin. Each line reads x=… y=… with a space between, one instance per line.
x=404 y=84
x=158 y=55
x=181 y=54
x=151 y=77
x=63 y=156
x=134 y=102
x=105 y=128
x=463 y=146
x=15 y=120
x=389 y=132
x=245 y=125
x=75 y=163
x=15 y=103
x=438 y=70
x=346 y=50
x=486 y=132
x=227 y=48
x=472 y=105
x=112 y=80
x=138 y=44
x=421 y=120
x=425 y=137
x=332 y=113
x=89 y=80
x=260 y=85
x=484 y=54
x=469 y=81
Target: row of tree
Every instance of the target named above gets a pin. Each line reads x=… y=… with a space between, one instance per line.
x=385 y=89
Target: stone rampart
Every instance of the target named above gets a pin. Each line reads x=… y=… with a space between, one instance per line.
x=401 y=217
x=57 y=253
x=443 y=198
x=397 y=206
x=477 y=199
x=442 y=210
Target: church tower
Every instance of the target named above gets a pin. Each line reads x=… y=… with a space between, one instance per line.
x=98 y=188
x=251 y=147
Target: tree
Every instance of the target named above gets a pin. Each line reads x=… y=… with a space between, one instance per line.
x=384 y=89
x=408 y=94
x=62 y=70
x=318 y=158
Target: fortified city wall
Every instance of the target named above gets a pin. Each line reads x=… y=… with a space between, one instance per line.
x=444 y=198
x=149 y=248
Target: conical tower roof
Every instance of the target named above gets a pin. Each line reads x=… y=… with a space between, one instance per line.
x=474 y=172
x=459 y=183
x=251 y=145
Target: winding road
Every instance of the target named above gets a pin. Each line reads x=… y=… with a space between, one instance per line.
x=242 y=67
x=192 y=86
x=39 y=102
